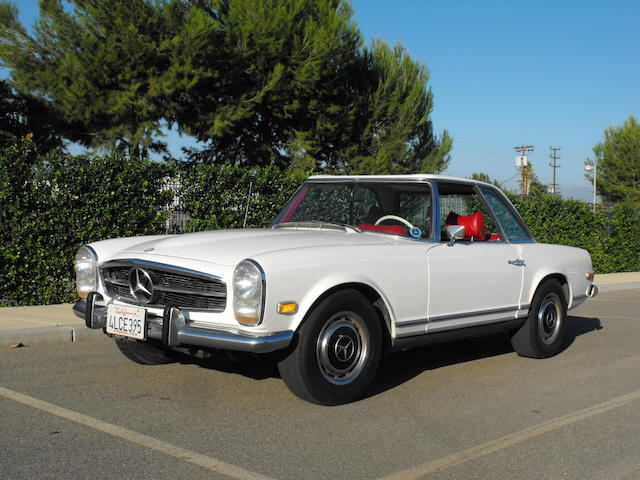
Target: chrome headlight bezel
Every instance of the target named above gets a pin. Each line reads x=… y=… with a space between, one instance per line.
x=248 y=284
x=86 y=268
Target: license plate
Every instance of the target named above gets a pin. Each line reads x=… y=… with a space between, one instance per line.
x=126 y=321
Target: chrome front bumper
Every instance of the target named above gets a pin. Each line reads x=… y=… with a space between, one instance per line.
x=172 y=331
x=592 y=291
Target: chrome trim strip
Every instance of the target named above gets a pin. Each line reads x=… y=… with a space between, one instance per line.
x=412 y=323
x=160 y=266
x=473 y=314
x=234 y=341
x=190 y=292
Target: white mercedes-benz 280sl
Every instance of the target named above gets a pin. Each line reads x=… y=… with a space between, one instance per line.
x=352 y=267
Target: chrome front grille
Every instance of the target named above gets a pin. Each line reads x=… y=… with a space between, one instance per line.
x=170 y=286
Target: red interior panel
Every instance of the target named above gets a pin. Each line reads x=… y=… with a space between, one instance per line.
x=394 y=229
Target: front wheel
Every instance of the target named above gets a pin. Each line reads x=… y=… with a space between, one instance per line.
x=337 y=350
x=543 y=333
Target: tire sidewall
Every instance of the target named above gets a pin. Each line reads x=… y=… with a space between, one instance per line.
x=543 y=349
x=318 y=388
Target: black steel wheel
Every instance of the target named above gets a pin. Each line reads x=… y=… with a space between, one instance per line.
x=544 y=332
x=336 y=352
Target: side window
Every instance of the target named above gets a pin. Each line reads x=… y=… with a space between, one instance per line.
x=462 y=201
x=510 y=224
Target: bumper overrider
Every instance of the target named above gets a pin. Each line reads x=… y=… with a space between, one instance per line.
x=172 y=330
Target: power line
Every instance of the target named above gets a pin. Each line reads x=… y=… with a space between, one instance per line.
x=554 y=165
x=524 y=171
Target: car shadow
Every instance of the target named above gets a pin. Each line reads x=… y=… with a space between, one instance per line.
x=398 y=367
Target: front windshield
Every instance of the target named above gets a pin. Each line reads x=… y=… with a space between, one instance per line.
x=392 y=208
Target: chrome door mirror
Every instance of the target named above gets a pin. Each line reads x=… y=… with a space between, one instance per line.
x=454 y=232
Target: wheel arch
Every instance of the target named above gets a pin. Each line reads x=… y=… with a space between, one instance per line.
x=564 y=283
x=373 y=296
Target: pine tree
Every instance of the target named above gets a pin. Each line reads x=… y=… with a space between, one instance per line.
x=618 y=164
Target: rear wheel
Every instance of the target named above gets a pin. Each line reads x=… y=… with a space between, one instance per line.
x=337 y=350
x=543 y=333
x=142 y=352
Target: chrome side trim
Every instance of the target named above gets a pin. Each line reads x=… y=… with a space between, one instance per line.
x=412 y=322
x=473 y=314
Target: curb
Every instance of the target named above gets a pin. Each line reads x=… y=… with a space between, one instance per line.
x=48 y=335
x=613 y=287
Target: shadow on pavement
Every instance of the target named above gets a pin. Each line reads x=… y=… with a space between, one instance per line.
x=400 y=367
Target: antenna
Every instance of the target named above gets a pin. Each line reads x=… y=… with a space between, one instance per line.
x=246 y=212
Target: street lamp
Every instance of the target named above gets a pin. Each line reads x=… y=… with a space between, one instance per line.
x=588 y=168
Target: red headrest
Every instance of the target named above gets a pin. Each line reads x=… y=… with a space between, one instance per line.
x=473 y=225
x=394 y=229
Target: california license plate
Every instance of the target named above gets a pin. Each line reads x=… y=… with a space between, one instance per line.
x=126 y=321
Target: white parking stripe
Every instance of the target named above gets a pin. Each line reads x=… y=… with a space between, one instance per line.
x=183 y=454
x=507 y=441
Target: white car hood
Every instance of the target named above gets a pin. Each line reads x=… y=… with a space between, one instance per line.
x=228 y=247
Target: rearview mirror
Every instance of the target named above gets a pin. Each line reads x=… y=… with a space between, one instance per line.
x=455 y=232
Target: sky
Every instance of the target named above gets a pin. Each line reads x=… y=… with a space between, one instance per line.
x=504 y=73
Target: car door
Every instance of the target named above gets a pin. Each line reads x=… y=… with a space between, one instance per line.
x=476 y=280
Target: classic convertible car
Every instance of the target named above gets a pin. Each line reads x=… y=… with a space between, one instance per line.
x=352 y=267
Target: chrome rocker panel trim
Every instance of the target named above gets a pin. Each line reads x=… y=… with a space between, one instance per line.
x=184 y=335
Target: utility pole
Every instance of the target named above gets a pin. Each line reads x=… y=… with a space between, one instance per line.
x=554 y=159
x=523 y=149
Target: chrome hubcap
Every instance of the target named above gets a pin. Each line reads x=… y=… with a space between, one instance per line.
x=549 y=318
x=342 y=348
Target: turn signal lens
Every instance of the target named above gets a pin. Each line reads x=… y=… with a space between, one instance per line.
x=287 y=308
x=590 y=276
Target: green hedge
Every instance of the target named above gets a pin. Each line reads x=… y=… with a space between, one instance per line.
x=216 y=196
x=611 y=236
x=52 y=204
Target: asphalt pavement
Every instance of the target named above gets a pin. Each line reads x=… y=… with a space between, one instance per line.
x=464 y=410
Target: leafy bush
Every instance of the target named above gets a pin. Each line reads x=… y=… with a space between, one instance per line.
x=52 y=204
x=216 y=196
x=612 y=237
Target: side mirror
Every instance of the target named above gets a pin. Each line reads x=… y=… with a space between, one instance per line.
x=454 y=232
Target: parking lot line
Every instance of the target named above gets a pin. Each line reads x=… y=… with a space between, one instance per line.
x=210 y=463
x=512 y=439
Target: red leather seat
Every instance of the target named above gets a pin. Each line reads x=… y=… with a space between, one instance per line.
x=473 y=226
x=394 y=229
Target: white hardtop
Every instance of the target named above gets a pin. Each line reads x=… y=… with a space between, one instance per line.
x=414 y=177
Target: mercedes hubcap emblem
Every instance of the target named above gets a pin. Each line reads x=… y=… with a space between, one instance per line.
x=141 y=285
x=344 y=348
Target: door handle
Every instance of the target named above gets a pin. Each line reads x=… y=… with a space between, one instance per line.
x=517 y=263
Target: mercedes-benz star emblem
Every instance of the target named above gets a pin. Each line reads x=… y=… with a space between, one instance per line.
x=344 y=348
x=141 y=285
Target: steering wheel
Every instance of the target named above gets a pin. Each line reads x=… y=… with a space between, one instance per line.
x=394 y=217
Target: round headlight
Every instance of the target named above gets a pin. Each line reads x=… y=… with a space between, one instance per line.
x=248 y=292
x=86 y=271
x=246 y=280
